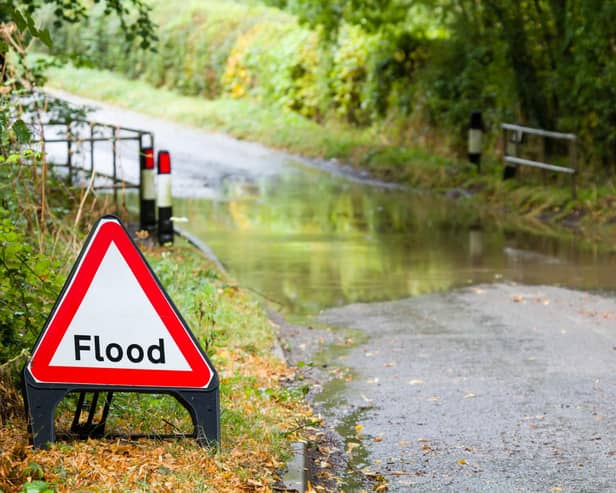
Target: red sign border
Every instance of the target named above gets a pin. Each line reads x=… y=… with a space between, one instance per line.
x=108 y=230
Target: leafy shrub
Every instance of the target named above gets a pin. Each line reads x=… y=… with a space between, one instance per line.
x=29 y=284
x=483 y=81
x=195 y=40
x=350 y=72
x=279 y=64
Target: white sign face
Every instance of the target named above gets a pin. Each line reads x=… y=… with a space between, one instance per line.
x=116 y=325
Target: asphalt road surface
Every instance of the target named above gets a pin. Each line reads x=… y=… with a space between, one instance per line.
x=201 y=160
x=497 y=388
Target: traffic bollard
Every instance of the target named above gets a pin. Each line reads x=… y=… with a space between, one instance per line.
x=165 y=224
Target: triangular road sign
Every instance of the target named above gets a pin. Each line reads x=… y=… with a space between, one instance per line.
x=114 y=324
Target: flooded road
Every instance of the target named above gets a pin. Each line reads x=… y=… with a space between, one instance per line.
x=310 y=235
x=462 y=379
x=479 y=377
x=310 y=241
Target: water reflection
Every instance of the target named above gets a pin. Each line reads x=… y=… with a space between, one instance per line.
x=308 y=241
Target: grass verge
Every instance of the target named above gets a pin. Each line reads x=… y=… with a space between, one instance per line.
x=370 y=149
x=259 y=415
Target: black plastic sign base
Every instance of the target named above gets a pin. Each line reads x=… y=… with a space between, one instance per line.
x=41 y=401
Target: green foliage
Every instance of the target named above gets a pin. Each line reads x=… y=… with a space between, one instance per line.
x=29 y=283
x=37 y=487
x=195 y=40
x=349 y=74
x=32 y=204
x=279 y=64
x=412 y=64
x=133 y=16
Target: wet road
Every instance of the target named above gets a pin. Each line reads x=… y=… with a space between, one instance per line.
x=491 y=388
x=202 y=161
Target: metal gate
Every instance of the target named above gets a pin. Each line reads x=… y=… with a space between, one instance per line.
x=94 y=148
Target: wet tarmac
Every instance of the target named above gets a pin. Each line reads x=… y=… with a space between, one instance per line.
x=490 y=388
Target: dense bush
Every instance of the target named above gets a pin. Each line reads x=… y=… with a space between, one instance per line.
x=279 y=64
x=195 y=40
x=40 y=216
x=29 y=283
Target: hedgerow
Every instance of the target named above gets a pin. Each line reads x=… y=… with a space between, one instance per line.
x=424 y=68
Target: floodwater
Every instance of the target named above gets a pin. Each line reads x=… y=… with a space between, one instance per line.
x=308 y=241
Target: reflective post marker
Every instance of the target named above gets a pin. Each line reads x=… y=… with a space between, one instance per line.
x=147 y=205
x=165 y=225
x=475 y=132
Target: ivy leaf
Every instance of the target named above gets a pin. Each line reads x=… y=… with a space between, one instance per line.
x=21 y=131
x=18 y=18
x=45 y=37
x=37 y=487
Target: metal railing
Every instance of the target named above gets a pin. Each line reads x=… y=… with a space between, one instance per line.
x=76 y=134
x=514 y=137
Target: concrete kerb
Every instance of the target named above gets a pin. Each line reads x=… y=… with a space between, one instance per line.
x=295 y=477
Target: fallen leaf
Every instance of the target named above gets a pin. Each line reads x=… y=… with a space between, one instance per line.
x=358 y=428
x=462 y=462
x=351 y=446
x=378 y=439
x=517 y=298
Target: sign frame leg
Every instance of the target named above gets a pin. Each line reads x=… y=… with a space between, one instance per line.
x=40 y=405
x=204 y=408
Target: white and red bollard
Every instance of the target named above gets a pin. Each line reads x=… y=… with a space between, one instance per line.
x=147 y=191
x=164 y=199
